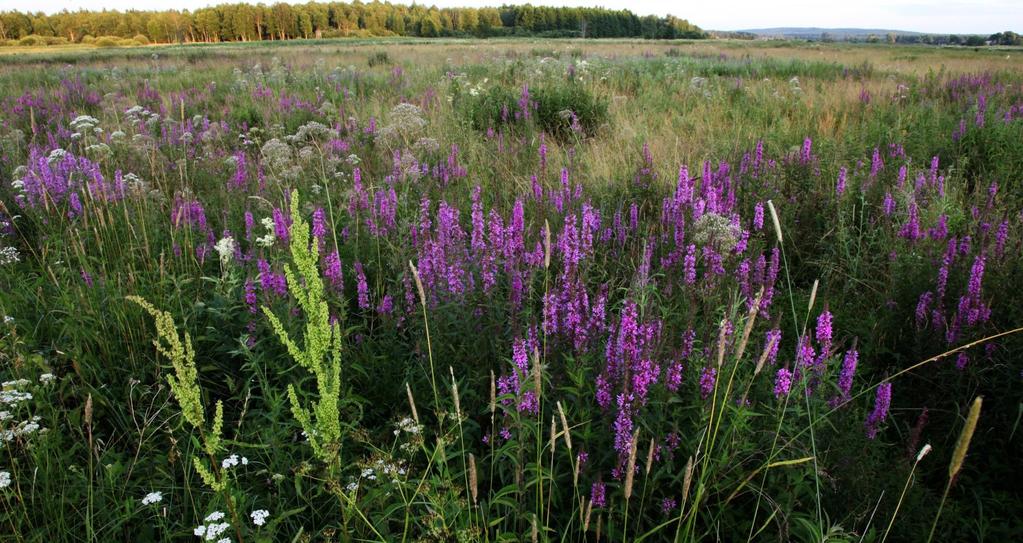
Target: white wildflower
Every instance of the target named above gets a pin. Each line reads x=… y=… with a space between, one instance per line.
x=225 y=248
x=152 y=497
x=9 y=255
x=259 y=516
x=47 y=378
x=229 y=462
x=5 y=479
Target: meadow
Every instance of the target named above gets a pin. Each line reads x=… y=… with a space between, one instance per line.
x=511 y=290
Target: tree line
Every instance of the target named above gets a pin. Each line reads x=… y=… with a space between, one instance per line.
x=282 y=21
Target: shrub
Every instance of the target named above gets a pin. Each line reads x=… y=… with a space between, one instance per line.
x=141 y=39
x=31 y=40
x=561 y=109
x=108 y=41
x=380 y=58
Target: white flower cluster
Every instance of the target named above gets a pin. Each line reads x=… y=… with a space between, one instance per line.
x=225 y=248
x=234 y=460
x=152 y=497
x=259 y=516
x=717 y=230
x=212 y=528
x=47 y=378
x=270 y=237
x=14 y=397
x=408 y=426
x=277 y=154
x=5 y=479
x=139 y=114
x=9 y=255
x=313 y=131
x=406 y=123
x=56 y=156
x=84 y=124
x=22 y=429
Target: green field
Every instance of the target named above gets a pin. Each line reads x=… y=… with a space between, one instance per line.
x=398 y=289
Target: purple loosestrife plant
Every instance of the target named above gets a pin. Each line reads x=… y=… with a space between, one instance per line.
x=882 y=402
x=782 y=383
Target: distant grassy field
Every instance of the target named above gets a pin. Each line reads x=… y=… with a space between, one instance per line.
x=510 y=290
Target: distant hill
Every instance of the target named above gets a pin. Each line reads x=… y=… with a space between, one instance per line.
x=815 y=33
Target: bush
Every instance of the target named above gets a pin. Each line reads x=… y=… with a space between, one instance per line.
x=108 y=41
x=380 y=58
x=31 y=40
x=141 y=39
x=560 y=109
x=569 y=108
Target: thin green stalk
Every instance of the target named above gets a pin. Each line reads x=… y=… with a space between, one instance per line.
x=941 y=505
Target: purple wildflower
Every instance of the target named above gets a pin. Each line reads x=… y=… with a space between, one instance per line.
x=782 y=383
x=707 y=379
x=598 y=494
x=845 y=379
x=882 y=401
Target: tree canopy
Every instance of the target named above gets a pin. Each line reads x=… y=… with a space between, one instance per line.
x=282 y=21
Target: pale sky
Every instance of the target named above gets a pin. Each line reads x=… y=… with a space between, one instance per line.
x=937 y=16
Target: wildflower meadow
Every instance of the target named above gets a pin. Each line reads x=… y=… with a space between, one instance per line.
x=511 y=290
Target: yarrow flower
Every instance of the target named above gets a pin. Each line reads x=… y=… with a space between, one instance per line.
x=152 y=497
x=5 y=479
x=259 y=516
x=234 y=460
x=212 y=529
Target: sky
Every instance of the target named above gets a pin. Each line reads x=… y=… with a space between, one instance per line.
x=934 y=16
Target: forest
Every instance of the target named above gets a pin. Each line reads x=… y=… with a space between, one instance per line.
x=282 y=21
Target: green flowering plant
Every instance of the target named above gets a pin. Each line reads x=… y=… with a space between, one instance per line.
x=320 y=352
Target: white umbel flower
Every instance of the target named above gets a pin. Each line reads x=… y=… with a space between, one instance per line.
x=152 y=497
x=259 y=516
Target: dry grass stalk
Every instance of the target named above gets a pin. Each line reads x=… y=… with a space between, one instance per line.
x=774 y=220
x=419 y=283
x=546 y=244
x=963 y=444
x=649 y=458
x=412 y=403
x=630 y=469
x=763 y=356
x=686 y=481
x=722 y=336
x=493 y=393
x=454 y=392
x=564 y=426
x=473 y=482
x=751 y=318
x=813 y=295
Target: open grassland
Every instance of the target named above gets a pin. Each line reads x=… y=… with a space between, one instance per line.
x=509 y=290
